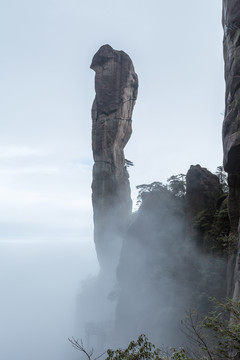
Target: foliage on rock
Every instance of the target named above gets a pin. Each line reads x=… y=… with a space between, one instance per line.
x=177 y=185
x=206 y=205
x=143 y=349
x=145 y=189
x=207 y=209
x=213 y=230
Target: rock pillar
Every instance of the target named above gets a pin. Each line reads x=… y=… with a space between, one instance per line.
x=116 y=85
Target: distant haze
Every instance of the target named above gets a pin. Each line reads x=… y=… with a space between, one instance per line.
x=39 y=287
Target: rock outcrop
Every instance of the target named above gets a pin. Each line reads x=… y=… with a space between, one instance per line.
x=116 y=85
x=202 y=191
x=206 y=208
x=231 y=131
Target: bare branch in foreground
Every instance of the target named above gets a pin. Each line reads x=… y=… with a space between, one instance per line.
x=79 y=346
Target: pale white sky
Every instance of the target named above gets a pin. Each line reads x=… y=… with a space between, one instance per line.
x=47 y=92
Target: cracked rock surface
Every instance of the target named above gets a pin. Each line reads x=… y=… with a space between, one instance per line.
x=116 y=85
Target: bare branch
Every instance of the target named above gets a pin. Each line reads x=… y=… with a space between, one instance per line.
x=79 y=346
x=193 y=331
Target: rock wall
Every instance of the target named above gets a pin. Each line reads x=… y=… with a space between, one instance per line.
x=116 y=85
x=206 y=210
x=231 y=131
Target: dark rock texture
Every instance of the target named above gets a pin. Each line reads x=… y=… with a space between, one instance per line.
x=202 y=190
x=231 y=49
x=116 y=85
x=231 y=130
x=206 y=206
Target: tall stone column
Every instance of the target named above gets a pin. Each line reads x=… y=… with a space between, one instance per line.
x=116 y=85
x=231 y=133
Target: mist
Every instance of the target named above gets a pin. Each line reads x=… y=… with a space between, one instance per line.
x=52 y=290
x=40 y=282
x=161 y=275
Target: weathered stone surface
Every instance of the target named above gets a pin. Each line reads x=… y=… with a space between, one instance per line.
x=231 y=129
x=116 y=85
x=231 y=49
x=233 y=273
x=202 y=191
x=204 y=197
x=208 y=227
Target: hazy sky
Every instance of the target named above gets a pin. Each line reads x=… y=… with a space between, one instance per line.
x=47 y=90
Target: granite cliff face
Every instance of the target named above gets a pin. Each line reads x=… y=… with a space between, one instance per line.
x=206 y=210
x=231 y=131
x=202 y=190
x=116 y=85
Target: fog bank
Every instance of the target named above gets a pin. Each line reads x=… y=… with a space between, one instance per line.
x=39 y=286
